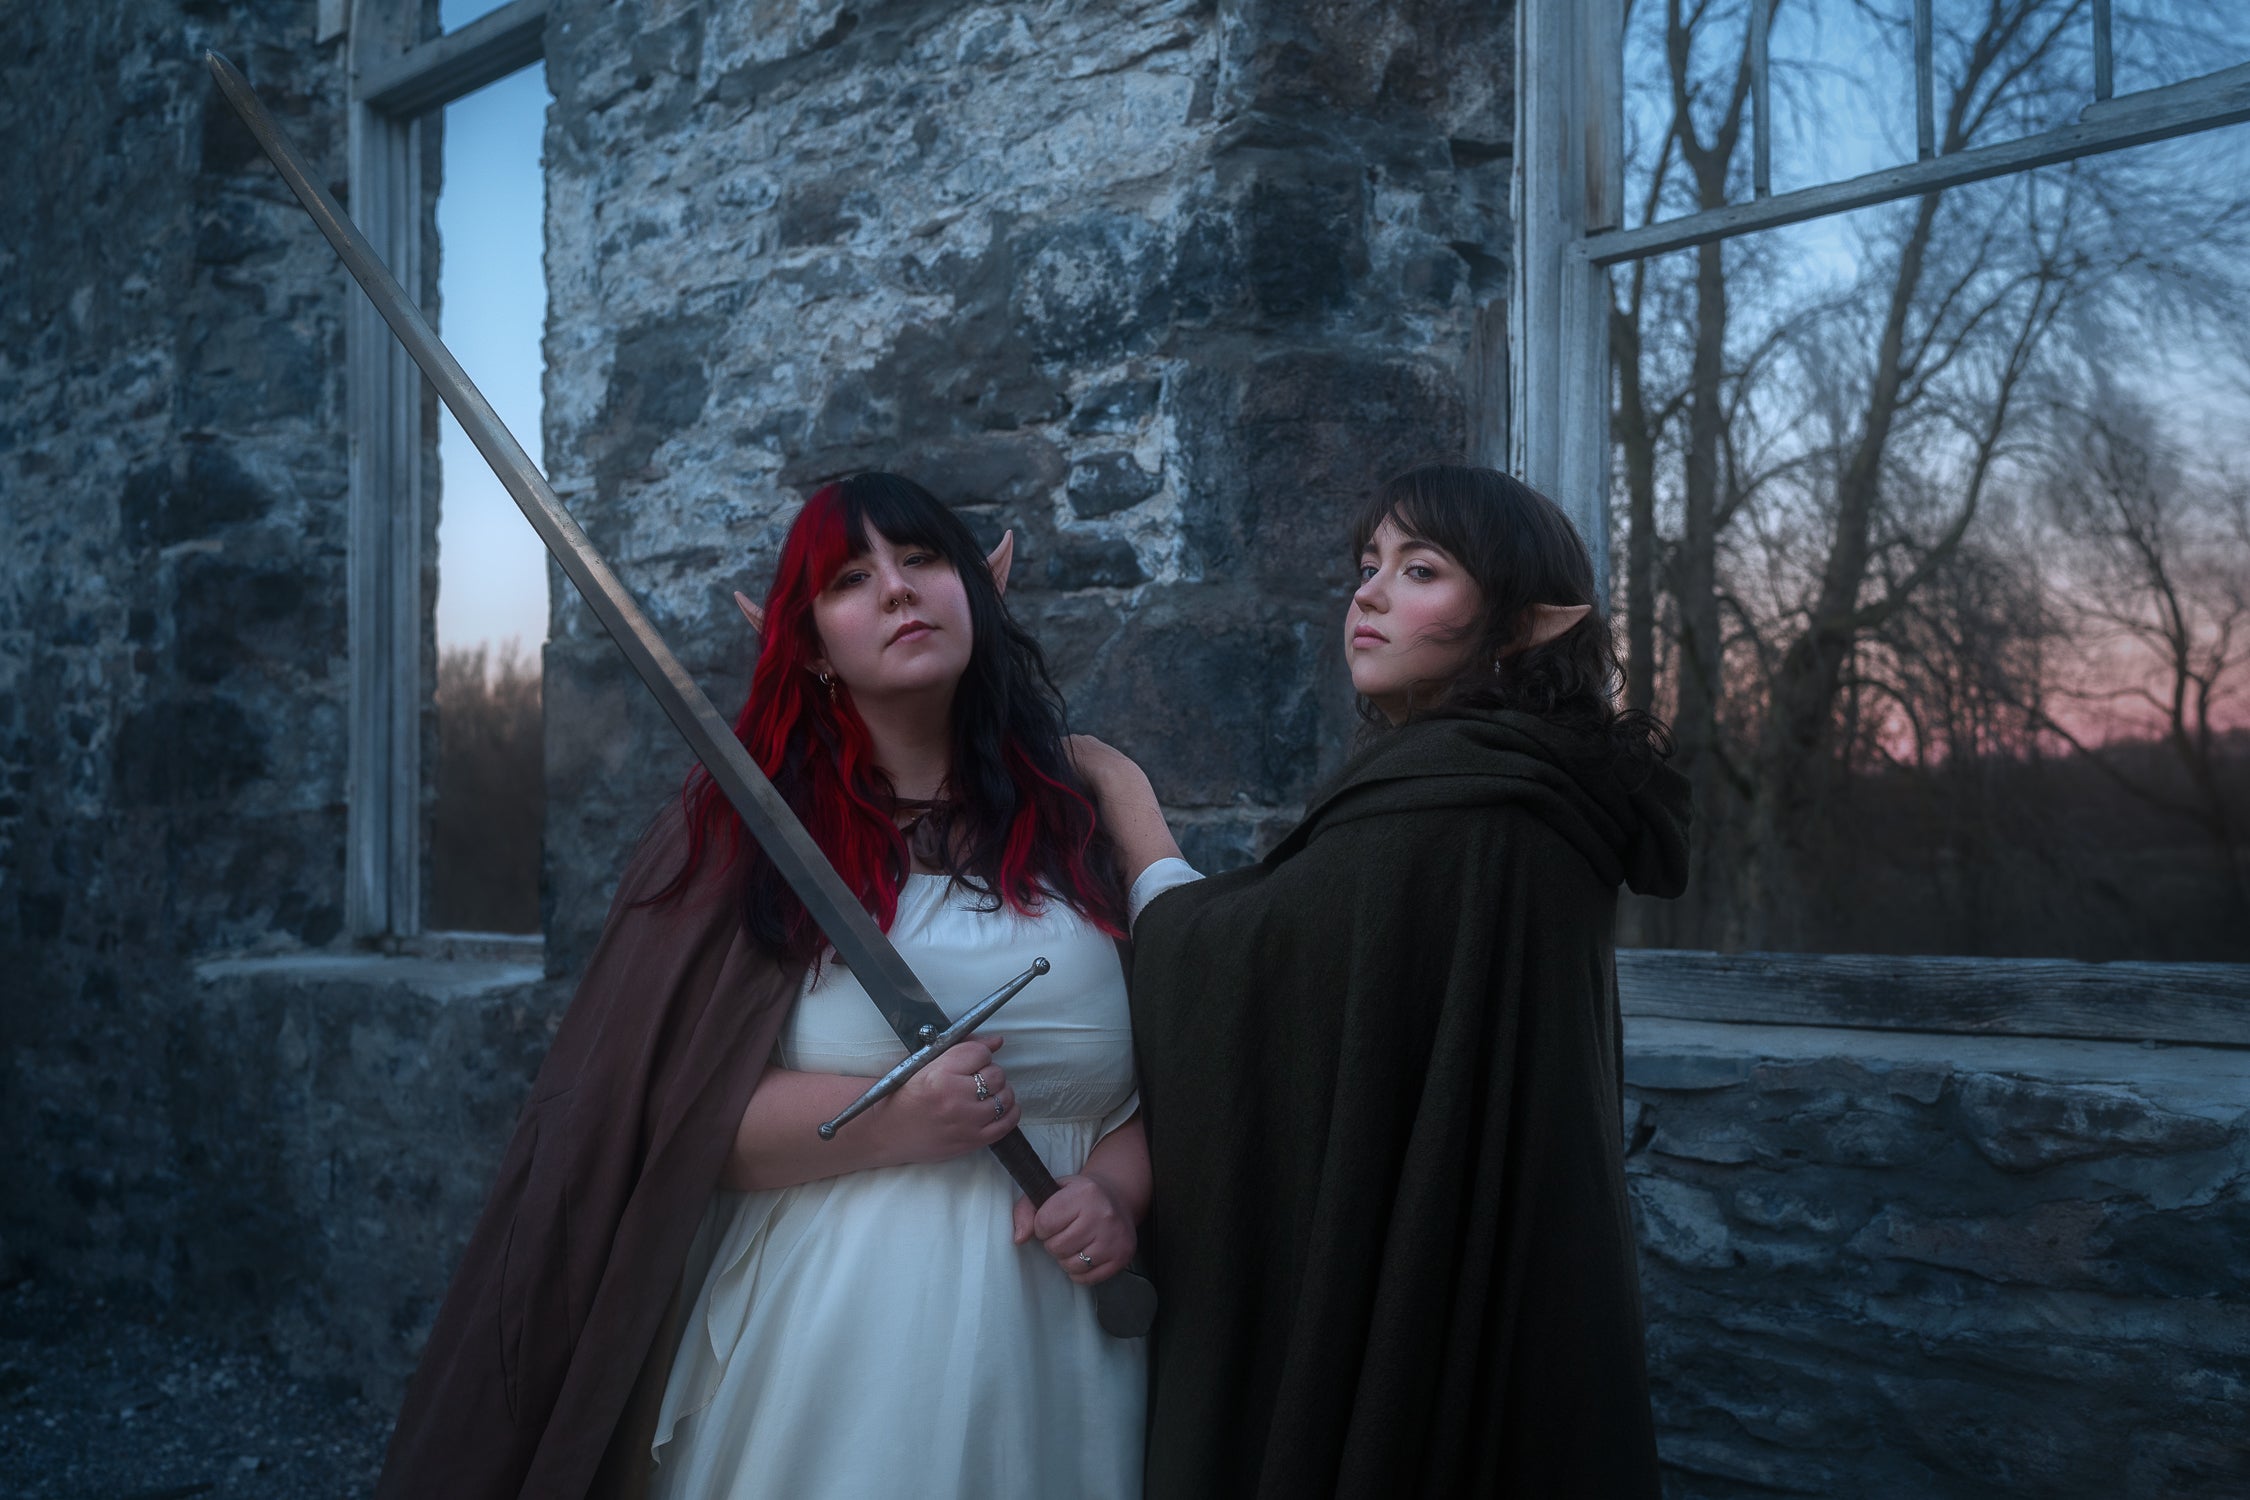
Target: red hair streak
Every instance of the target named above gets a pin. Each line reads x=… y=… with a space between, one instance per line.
x=816 y=747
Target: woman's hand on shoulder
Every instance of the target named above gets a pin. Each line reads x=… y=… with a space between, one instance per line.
x=1127 y=804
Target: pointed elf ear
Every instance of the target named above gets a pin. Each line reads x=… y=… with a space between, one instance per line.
x=750 y=612
x=1000 y=559
x=1548 y=621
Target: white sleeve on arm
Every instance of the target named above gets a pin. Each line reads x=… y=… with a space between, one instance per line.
x=1155 y=881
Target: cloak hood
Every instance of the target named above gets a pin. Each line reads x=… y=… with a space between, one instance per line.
x=1629 y=821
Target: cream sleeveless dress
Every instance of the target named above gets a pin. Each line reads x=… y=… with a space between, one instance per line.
x=878 y=1334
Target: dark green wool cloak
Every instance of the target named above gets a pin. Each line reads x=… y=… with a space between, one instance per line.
x=1381 y=1077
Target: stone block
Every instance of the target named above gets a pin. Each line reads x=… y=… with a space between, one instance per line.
x=1678 y=1072
x=1279 y=452
x=213 y=489
x=228 y=616
x=340 y=1119
x=1115 y=406
x=1728 y=1146
x=1088 y=285
x=1823 y=1207
x=1216 y=695
x=2023 y=1125
x=1092 y=562
x=1302 y=236
x=1682 y=1224
x=658 y=384
x=1216 y=841
x=185 y=750
x=2046 y=1244
x=2198 y=1253
x=1102 y=484
x=1015 y=471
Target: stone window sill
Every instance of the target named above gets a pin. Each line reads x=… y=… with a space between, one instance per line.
x=453 y=966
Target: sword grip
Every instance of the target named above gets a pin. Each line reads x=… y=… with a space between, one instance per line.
x=1125 y=1305
x=1024 y=1165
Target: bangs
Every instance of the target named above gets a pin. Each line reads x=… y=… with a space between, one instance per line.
x=900 y=512
x=1403 y=505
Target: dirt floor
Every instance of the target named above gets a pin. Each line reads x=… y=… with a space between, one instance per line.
x=103 y=1402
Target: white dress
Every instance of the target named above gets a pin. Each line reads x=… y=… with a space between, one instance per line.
x=879 y=1334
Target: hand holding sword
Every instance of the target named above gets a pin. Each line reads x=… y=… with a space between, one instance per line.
x=935 y=1044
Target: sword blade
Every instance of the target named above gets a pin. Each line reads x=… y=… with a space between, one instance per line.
x=905 y=1004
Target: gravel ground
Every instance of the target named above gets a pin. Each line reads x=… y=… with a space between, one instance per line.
x=103 y=1402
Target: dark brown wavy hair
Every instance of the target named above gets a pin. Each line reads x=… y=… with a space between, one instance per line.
x=1521 y=550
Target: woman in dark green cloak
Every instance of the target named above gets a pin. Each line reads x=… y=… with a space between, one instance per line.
x=1381 y=1068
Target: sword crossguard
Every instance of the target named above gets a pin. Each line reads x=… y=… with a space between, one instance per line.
x=935 y=1043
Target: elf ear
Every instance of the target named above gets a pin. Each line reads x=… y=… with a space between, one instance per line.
x=1000 y=559
x=1549 y=621
x=750 y=612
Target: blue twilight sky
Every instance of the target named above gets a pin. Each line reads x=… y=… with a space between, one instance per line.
x=492 y=570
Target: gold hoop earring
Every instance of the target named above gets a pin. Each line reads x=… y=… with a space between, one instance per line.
x=829 y=683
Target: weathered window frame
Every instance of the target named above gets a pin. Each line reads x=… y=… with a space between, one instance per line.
x=1569 y=182
x=395 y=84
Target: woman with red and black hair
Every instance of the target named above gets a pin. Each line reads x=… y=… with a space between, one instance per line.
x=679 y=1288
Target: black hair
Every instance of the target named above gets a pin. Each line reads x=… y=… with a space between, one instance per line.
x=1521 y=550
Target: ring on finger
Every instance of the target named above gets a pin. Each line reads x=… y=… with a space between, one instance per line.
x=1083 y=1256
x=982 y=1091
x=999 y=1109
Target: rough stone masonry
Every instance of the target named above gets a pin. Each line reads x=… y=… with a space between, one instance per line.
x=173 y=461
x=1161 y=285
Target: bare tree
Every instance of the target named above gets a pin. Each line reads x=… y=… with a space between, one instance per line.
x=489 y=804
x=1804 y=465
x=2159 y=590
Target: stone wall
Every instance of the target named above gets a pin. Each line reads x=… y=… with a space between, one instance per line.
x=347 y=1115
x=1164 y=286
x=1903 y=1264
x=173 y=677
x=171 y=571
x=1893 y=1265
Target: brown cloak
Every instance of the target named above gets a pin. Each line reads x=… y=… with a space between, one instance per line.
x=562 y=1295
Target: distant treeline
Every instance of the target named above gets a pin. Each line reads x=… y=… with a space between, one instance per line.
x=490 y=802
x=2022 y=854
x=2046 y=856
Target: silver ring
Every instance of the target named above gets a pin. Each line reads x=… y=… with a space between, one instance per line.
x=1088 y=1259
x=999 y=1109
x=982 y=1091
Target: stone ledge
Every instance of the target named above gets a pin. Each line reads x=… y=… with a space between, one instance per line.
x=338 y=1118
x=2204 y=1004
x=1677 y=1056
x=433 y=978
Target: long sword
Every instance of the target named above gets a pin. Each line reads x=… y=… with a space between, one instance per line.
x=1125 y=1303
